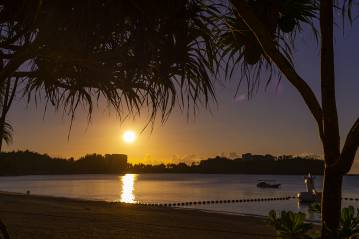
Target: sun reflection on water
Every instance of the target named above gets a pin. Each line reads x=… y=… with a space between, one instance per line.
x=128 y=182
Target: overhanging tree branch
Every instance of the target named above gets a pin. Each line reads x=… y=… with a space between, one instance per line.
x=350 y=148
x=11 y=41
x=271 y=50
x=17 y=60
x=12 y=95
x=13 y=64
x=5 y=100
x=24 y=74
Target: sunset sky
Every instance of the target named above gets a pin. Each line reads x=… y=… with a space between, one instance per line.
x=275 y=121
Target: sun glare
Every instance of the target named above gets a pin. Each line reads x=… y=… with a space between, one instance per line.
x=129 y=137
x=127 y=195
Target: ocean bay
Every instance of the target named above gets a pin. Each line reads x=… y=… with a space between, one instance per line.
x=177 y=188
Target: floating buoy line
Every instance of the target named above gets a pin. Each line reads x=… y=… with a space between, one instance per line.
x=193 y=203
x=250 y=200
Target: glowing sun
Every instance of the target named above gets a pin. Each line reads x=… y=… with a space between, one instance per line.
x=129 y=136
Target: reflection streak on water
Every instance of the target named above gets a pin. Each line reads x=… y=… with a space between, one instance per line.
x=127 y=194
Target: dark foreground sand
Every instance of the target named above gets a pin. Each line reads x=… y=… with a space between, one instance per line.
x=38 y=217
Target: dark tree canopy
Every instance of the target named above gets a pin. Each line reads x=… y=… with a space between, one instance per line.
x=282 y=19
x=133 y=53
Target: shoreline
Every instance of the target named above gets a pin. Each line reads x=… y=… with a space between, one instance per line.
x=84 y=200
x=8 y=193
x=36 y=216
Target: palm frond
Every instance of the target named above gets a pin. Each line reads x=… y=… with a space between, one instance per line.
x=137 y=54
x=349 y=9
x=6 y=131
x=241 y=49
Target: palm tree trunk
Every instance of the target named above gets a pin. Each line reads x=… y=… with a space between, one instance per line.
x=331 y=203
x=332 y=188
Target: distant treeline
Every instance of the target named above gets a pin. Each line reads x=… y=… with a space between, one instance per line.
x=281 y=165
x=26 y=163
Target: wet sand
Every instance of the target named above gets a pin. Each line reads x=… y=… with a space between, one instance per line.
x=38 y=217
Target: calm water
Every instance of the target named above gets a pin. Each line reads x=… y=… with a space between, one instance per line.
x=166 y=188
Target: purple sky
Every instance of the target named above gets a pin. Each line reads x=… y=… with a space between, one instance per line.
x=275 y=121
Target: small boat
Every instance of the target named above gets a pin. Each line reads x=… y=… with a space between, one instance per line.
x=264 y=184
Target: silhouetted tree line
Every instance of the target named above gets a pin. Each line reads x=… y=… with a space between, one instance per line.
x=27 y=162
x=257 y=165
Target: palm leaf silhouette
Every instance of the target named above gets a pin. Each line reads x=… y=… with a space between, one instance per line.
x=6 y=131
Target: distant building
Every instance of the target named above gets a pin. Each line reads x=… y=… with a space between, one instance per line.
x=116 y=162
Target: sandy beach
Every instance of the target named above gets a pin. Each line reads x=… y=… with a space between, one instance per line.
x=48 y=217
